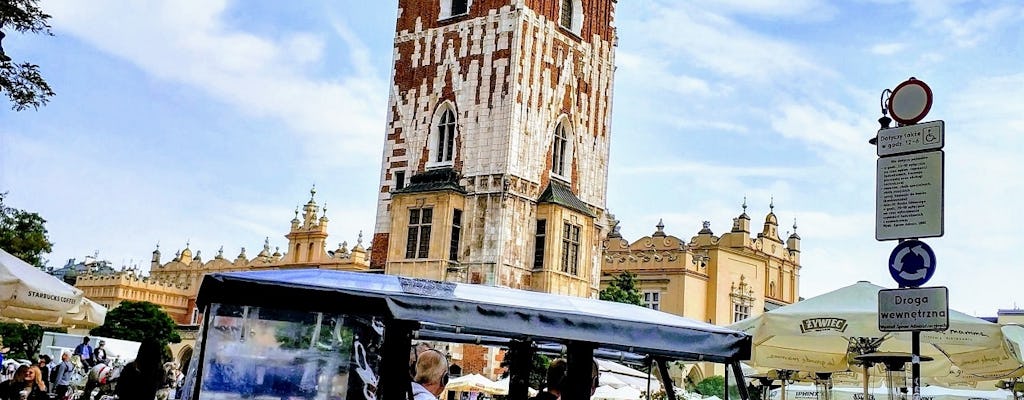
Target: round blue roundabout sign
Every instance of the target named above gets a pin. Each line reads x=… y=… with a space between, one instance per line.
x=912 y=263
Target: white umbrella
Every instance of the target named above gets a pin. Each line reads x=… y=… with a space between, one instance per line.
x=29 y=295
x=818 y=335
x=475 y=383
x=502 y=384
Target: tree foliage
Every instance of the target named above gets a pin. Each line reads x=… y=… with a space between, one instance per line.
x=623 y=289
x=22 y=82
x=712 y=386
x=538 y=367
x=23 y=234
x=138 y=320
x=23 y=340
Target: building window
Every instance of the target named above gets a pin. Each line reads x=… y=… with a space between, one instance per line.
x=445 y=137
x=742 y=296
x=417 y=244
x=559 y=150
x=399 y=180
x=459 y=7
x=570 y=248
x=195 y=316
x=538 y=244
x=453 y=252
x=652 y=300
x=566 y=17
x=740 y=312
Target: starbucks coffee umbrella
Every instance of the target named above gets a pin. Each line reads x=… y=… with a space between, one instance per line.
x=824 y=333
x=30 y=296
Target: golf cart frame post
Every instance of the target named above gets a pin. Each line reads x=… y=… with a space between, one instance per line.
x=286 y=332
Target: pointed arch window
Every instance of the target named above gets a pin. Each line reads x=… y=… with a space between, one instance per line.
x=444 y=143
x=558 y=155
x=561 y=151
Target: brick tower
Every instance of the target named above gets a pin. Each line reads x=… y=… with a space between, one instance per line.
x=495 y=163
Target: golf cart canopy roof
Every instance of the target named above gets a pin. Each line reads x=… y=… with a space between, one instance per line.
x=481 y=310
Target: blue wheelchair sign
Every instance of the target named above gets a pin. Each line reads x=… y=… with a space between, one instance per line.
x=912 y=263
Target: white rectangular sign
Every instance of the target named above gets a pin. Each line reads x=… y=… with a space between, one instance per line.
x=913 y=309
x=911 y=138
x=909 y=194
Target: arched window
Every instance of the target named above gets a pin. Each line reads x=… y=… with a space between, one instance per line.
x=443 y=139
x=558 y=153
x=561 y=150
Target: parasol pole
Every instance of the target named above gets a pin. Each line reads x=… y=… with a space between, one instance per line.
x=866 y=379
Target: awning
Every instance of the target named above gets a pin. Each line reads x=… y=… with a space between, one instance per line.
x=479 y=309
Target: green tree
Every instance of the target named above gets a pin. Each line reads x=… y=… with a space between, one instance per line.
x=623 y=290
x=22 y=83
x=712 y=386
x=138 y=320
x=715 y=386
x=538 y=367
x=23 y=234
x=23 y=340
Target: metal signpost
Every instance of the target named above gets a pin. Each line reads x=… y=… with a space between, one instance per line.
x=909 y=205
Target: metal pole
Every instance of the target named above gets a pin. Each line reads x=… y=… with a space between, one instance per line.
x=915 y=367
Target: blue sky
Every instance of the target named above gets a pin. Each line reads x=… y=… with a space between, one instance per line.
x=208 y=121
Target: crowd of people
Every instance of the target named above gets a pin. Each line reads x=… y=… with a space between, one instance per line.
x=148 y=376
x=429 y=370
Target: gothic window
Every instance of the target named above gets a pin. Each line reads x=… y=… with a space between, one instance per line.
x=566 y=16
x=538 y=244
x=417 y=244
x=444 y=137
x=652 y=300
x=558 y=152
x=453 y=252
x=570 y=248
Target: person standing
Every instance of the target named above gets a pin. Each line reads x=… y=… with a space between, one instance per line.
x=431 y=375
x=65 y=372
x=141 y=378
x=84 y=353
x=27 y=384
x=44 y=369
x=99 y=354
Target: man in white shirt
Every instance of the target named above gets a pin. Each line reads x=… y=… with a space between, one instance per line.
x=431 y=375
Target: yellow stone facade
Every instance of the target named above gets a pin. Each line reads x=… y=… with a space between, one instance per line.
x=717 y=279
x=175 y=284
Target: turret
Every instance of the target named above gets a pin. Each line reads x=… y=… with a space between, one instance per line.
x=742 y=222
x=793 y=244
x=771 y=224
x=154 y=263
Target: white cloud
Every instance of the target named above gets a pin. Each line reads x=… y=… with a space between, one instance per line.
x=887 y=49
x=814 y=10
x=337 y=119
x=720 y=45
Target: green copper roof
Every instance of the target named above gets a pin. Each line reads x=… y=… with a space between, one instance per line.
x=559 y=193
x=432 y=181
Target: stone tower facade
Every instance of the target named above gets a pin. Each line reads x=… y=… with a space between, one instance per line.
x=496 y=157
